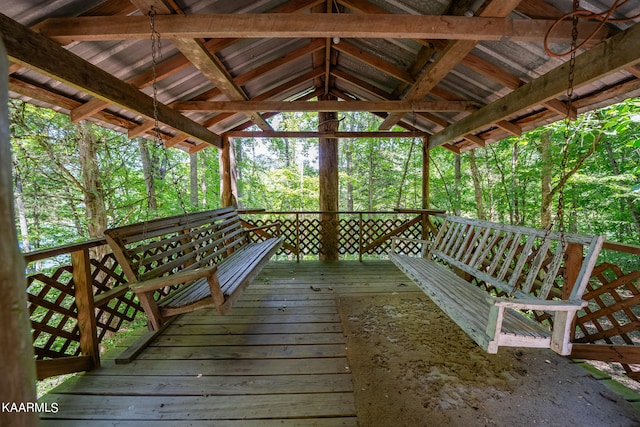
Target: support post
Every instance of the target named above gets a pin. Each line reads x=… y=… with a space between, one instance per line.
x=17 y=366
x=328 y=162
x=83 y=284
x=228 y=185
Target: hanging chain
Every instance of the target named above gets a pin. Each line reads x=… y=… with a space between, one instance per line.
x=156 y=50
x=567 y=128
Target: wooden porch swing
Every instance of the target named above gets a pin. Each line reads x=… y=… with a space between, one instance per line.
x=501 y=283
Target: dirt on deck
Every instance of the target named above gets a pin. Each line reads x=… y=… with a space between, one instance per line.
x=412 y=366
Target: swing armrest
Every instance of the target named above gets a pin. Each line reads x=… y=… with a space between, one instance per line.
x=174 y=279
x=536 y=304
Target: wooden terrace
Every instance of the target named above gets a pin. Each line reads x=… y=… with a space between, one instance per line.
x=277 y=358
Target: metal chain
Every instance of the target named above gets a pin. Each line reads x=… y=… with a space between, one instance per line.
x=156 y=50
x=567 y=127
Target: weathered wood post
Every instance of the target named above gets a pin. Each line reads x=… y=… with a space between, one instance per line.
x=328 y=163
x=228 y=185
x=17 y=366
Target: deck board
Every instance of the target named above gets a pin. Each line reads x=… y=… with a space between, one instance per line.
x=277 y=358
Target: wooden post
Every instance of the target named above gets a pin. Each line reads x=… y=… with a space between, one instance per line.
x=17 y=366
x=228 y=186
x=328 y=162
x=83 y=284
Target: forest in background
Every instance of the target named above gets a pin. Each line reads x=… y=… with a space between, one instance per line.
x=74 y=180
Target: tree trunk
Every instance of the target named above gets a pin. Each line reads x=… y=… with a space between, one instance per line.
x=477 y=184
x=193 y=180
x=329 y=191
x=633 y=209
x=147 y=170
x=371 y=166
x=515 y=183
x=546 y=172
x=17 y=366
x=404 y=176
x=349 y=159
x=91 y=183
x=22 y=214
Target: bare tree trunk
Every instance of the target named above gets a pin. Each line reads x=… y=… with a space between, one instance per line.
x=456 y=182
x=477 y=184
x=404 y=176
x=193 y=181
x=633 y=209
x=515 y=183
x=22 y=215
x=17 y=367
x=91 y=183
x=147 y=170
x=546 y=172
x=371 y=165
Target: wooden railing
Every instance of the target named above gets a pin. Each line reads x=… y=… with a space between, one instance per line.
x=608 y=329
x=76 y=299
x=361 y=234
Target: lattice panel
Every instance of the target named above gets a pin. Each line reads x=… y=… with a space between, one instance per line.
x=53 y=312
x=309 y=228
x=612 y=316
x=106 y=275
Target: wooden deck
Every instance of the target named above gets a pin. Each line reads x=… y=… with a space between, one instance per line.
x=277 y=359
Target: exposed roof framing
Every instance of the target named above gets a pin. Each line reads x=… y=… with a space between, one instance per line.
x=464 y=79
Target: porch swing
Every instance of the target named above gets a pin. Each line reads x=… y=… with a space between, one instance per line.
x=489 y=277
x=189 y=261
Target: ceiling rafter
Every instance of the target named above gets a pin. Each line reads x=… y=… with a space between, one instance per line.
x=326 y=106
x=43 y=55
x=176 y=63
x=448 y=58
x=622 y=51
x=206 y=62
x=488 y=26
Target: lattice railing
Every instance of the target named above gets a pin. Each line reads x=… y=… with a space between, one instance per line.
x=362 y=234
x=68 y=279
x=608 y=329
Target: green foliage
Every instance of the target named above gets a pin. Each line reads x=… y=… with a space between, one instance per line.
x=602 y=194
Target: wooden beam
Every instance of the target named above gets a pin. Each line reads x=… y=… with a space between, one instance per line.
x=475 y=140
x=621 y=51
x=315 y=25
x=206 y=62
x=327 y=106
x=509 y=127
x=287 y=134
x=448 y=58
x=34 y=51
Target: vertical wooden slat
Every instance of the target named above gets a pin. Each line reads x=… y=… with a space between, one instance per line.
x=572 y=268
x=501 y=250
x=480 y=255
x=552 y=272
x=83 y=284
x=535 y=266
x=515 y=244
x=515 y=274
x=297 y=237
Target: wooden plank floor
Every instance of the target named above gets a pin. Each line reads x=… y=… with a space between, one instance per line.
x=277 y=359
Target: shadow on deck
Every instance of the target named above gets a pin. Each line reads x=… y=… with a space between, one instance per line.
x=278 y=358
